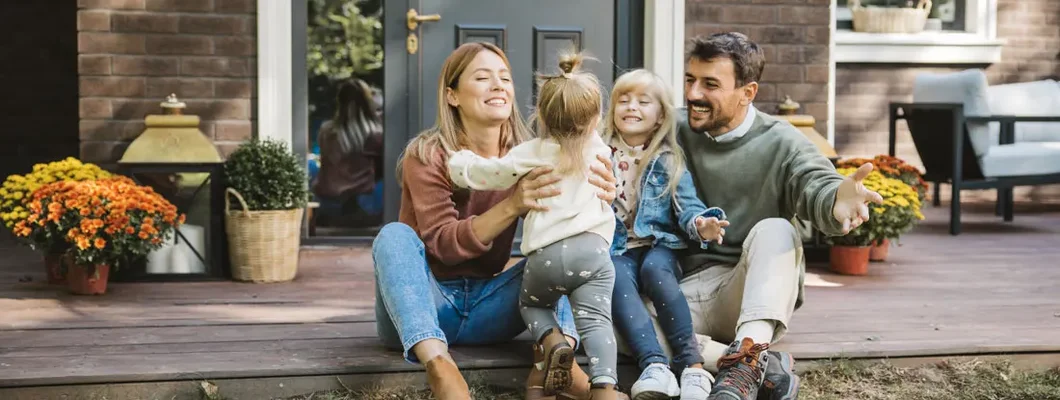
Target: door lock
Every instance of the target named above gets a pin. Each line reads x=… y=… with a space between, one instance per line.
x=412 y=44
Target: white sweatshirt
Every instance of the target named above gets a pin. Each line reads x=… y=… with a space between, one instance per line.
x=575 y=210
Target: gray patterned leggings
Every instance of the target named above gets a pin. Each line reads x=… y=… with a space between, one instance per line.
x=579 y=267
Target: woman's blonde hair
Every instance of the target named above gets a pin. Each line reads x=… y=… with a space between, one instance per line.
x=652 y=85
x=448 y=132
x=568 y=110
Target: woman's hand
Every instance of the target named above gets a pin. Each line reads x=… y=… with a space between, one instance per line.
x=605 y=180
x=535 y=185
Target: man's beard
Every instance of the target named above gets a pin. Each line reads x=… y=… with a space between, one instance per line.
x=712 y=123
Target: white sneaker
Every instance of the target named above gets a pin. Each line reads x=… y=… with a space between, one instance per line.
x=696 y=384
x=657 y=382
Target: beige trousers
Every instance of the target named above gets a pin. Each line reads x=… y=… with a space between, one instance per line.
x=763 y=285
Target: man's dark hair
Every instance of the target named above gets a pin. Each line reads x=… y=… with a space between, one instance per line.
x=747 y=57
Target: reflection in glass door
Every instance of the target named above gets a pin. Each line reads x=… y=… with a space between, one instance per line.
x=344 y=63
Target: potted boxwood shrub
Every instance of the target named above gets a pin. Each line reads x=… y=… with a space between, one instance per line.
x=264 y=224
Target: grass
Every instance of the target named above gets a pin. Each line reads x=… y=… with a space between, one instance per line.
x=839 y=380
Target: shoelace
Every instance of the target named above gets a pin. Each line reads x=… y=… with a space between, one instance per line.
x=744 y=377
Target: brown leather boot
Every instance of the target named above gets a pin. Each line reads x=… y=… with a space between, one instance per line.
x=445 y=380
x=606 y=391
x=551 y=372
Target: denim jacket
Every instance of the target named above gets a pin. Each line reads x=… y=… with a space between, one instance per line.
x=669 y=219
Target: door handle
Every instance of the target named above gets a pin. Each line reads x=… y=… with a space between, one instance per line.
x=413 y=18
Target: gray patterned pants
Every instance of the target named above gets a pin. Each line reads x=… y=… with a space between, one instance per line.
x=579 y=267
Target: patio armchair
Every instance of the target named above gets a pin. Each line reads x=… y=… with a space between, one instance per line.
x=976 y=136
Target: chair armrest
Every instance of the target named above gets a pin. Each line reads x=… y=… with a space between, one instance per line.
x=1008 y=123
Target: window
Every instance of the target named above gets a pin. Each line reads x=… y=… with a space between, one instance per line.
x=958 y=32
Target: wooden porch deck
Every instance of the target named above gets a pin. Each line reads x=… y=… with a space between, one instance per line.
x=993 y=290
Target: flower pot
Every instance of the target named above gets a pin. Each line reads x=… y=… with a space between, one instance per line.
x=53 y=267
x=879 y=250
x=83 y=279
x=850 y=260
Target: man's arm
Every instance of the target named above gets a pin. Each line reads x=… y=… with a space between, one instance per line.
x=810 y=187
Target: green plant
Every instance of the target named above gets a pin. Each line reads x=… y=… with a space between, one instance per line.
x=267 y=175
x=343 y=40
x=857 y=237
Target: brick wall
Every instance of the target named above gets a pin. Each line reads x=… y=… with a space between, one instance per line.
x=1032 y=29
x=133 y=53
x=795 y=36
x=38 y=74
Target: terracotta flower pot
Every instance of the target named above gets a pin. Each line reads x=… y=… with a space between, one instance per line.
x=53 y=266
x=879 y=251
x=850 y=260
x=82 y=279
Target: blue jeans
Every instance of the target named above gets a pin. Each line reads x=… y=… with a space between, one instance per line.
x=653 y=271
x=412 y=306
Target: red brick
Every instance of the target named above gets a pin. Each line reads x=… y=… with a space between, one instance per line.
x=183 y=87
x=787 y=54
x=153 y=23
x=782 y=73
x=135 y=109
x=818 y=34
x=235 y=6
x=215 y=67
x=93 y=20
x=232 y=130
x=147 y=66
x=214 y=24
x=815 y=54
x=93 y=65
x=111 y=87
x=114 y=43
x=803 y=16
x=766 y=92
x=782 y=34
x=817 y=73
x=227 y=148
x=180 y=5
x=219 y=109
x=234 y=89
x=109 y=130
x=235 y=46
x=102 y=152
x=94 y=108
x=804 y=92
x=737 y=14
x=112 y=4
x=179 y=45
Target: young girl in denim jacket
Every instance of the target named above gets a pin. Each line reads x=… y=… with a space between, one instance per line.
x=657 y=211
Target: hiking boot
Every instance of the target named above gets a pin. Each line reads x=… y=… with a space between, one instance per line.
x=656 y=382
x=741 y=371
x=445 y=380
x=780 y=382
x=553 y=367
x=696 y=384
x=606 y=391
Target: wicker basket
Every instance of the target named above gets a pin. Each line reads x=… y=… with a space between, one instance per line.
x=890 y=19
x=262 y=245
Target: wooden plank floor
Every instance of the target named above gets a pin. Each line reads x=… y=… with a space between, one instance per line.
x=994 y=289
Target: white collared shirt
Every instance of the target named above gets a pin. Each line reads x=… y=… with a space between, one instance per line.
x=740 y=130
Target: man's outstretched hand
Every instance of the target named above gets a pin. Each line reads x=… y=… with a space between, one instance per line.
x=851 y=200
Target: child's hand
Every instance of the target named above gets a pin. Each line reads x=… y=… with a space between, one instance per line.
x=711 y=229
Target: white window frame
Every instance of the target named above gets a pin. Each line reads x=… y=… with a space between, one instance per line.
x=978 y=44
x=275 y=71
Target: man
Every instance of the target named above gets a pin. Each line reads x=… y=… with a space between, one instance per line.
x=762 y=172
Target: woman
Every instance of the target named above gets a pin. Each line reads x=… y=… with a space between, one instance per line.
x=351 y=147
x=452 y=246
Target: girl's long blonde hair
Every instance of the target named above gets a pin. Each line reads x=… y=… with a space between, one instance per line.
x=448 y=132
x=568 y=109
x=654 y=86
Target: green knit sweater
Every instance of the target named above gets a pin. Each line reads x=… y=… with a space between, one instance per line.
x=773 y=171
